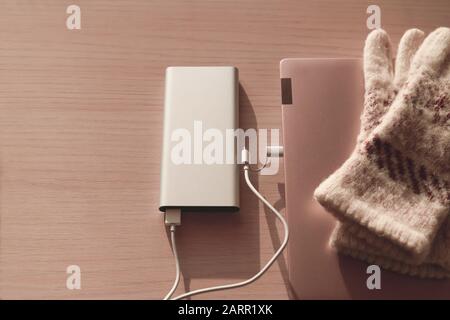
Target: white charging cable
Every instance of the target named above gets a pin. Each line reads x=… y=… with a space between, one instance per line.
x=173 y=219
x=245 y=159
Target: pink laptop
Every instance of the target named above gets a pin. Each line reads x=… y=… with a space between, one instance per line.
x=321 y=103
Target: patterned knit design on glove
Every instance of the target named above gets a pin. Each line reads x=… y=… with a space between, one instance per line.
x=393 y=193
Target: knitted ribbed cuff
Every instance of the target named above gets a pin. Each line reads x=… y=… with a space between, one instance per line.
x=356 y=248
x=369 y=242
x=365 y=194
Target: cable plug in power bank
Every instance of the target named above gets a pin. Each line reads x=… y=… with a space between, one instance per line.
x=198 y=166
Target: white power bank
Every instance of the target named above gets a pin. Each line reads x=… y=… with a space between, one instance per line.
x=198 y=165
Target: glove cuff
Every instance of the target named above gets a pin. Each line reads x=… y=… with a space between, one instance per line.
x=364 y=193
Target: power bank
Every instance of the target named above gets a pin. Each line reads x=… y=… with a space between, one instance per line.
x=198 y=166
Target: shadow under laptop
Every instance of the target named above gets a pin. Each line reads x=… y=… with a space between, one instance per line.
x=223 y=245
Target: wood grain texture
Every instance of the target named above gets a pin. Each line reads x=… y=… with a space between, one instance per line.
x=80 y=136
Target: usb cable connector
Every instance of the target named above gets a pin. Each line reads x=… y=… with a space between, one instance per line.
x=172 y=217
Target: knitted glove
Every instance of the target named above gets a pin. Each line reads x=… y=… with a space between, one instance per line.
x=354 y=240
x=350 y=238
x=394 y=184
x=381 y=87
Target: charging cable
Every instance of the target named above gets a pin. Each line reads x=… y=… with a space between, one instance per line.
x=173 y=219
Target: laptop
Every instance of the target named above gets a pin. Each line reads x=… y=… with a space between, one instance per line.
x=322 y=100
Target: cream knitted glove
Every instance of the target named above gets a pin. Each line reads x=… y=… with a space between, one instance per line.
x=394 y=185
x=352 y=239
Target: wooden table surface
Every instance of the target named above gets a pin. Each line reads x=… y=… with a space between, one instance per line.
x=80 y=136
